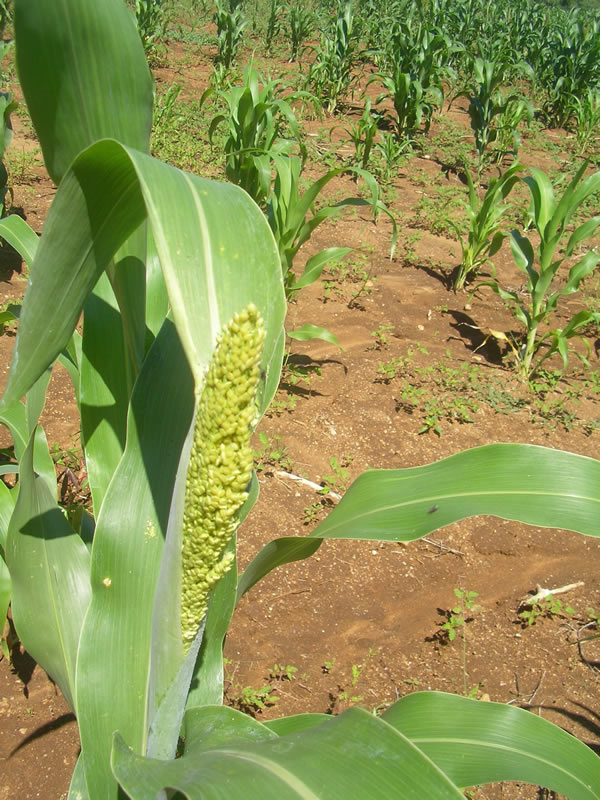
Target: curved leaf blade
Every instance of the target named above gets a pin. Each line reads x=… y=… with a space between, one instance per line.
x=475 y=742
x=531 y=484
x=353 y=755
x=49 y=568
x=87 y=60
x=528 y=483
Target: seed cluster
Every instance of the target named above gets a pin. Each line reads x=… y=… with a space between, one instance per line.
x=220 y=464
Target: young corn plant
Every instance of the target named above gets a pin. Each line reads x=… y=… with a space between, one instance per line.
x=230 y=24
x=255 y=117
x=586 y=118
x=301 y=23
x=151 y=18
x=410 y=102
x=390 y=152
x=332 y=73
x=484 y=237
x=414 y=66
x=362 y=135
x=545 y=266
x=274 y=24
x=288 y=213
x=517 y=110
x=571 y=65
x=180 y=355
x=486 y=102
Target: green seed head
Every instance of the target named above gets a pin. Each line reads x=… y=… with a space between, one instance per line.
x=220 y=465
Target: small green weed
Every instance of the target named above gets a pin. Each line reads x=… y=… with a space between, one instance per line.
x=337 y=481
x=548 y=608
x=380 y=335
x=281 y=672
x=271 y=453
x=456 y=620
x=284 y=402
x=457 y=616
x=349 y=280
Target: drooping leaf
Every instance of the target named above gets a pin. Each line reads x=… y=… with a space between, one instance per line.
x=476 y=742
x=353 y=755
x=531 y=484
x=49 y=567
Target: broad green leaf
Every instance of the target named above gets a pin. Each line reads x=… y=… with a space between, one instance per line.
x=531 y=484
x=8 y=498
x=309 y=331
x=353 y=755
x=126 y=557
x=78 y=788
x=211 y=726
x=7 y=506
x=275 y=554
x=315 y=264
x=20 y=236
x=21 y=419
x=100 y=196
x=522 y=251
x=298 y=722
x=84 y=76
x=209 y=274
x=104 y=390
x=106 y=195
x=49 y=566
x=476 y=742
x=543 y=198
x=5 y=592
x=581 y=233
x=536 y=485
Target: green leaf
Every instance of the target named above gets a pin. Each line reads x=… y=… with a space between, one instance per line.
x=126 y=558
x=20 y=236
x=212 y=726
x=315 y=264
x=536 y=485
x=101 y=198
x=353 y=755
x=476 y=742
x=275 y=554
x=531 y=484
x=308 y=332
x=522 y=251
x=298 y=722
x=84 y=76
x=49 y=567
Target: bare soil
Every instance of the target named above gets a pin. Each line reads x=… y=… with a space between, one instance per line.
x=361 y=622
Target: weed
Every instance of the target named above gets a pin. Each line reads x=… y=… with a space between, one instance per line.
x=251 y=700
x=457 y=615
x=282 y=403
x=548 y=608
x=22 y=165
x=380 y=335
x=349 y=281
x=456 y=620
x=272 y=453
x=337 y=481
x=281 y=672
x=312 y=513
x=346 y=695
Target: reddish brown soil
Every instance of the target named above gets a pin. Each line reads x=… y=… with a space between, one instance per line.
x=360 y=622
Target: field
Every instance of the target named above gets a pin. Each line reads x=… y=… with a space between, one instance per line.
x=405 y=369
